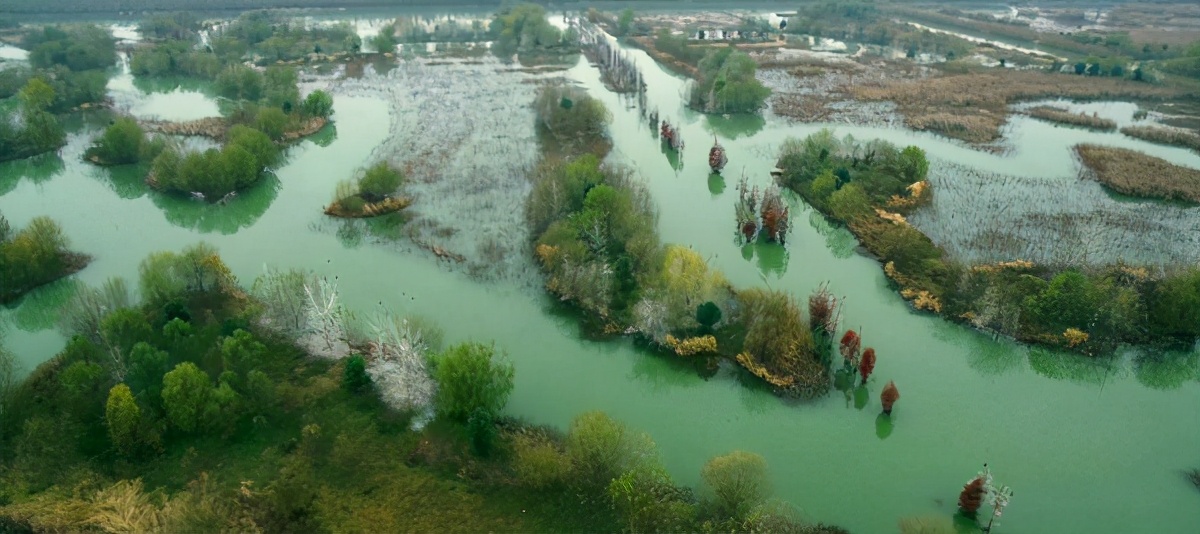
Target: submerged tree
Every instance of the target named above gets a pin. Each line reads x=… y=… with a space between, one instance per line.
x=889 y=396
x=971 y=497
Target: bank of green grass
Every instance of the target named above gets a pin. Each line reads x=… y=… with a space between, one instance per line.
x=870 y=186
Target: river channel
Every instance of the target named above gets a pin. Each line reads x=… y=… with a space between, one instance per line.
x=1087 y=446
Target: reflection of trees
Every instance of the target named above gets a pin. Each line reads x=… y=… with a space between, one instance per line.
x=839 y=240
x=1166 y=370
x=37 y=169
x=240 y=212
x=771 y=258
x=325 y=136
x=39 y=309
x=127 y=181
x=716 y=184
x=987 y=354
x=733 y=126
x=660 y=373
x=1074 y=367
x=350 y=233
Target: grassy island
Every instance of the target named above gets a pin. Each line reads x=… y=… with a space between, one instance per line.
x=1062 y=116
x=371 y=194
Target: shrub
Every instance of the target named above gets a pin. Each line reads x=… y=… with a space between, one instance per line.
x=538 y=462
x=355 y=377
x=379 y=182
x=737 y=483
x=470 y=377
x=122 y=415
x=727 y=83
x=271 y=121
x=600 y=449
x=571 y=117
x=481 y=431
x=849 y=203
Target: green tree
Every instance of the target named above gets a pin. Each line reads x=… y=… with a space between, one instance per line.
x=470 y=376
x=186 y=390
x=37 y=95
x=122 y=415
x=147 y=365
x=379 y=182
x=355 y=377
x=241 y=353
x=266 y=154
x=1068 y=301
x=738 y=483
x=271 y=121
x=385 y=41
x=318 y=104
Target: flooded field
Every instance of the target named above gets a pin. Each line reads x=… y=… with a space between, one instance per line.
x=1067 y=433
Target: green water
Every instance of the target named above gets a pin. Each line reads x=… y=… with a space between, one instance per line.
x=1086 y=447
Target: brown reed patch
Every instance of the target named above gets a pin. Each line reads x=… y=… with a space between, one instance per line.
x=1133 y=173
x=1062 y=116
x=1164 y=136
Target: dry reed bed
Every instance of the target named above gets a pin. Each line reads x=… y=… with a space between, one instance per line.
x=972 y=106
x=986 y=217
x=1062 y=116
x=464 y=135
x=1164 y=136
x=1137 y=174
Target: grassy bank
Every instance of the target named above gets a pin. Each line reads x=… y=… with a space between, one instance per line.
x=1164 y=136
x=1090 y=310
x=1062 y=116
x=1136 y=174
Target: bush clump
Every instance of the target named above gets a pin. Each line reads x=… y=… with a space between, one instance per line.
x=727 y=84
x=471 y=377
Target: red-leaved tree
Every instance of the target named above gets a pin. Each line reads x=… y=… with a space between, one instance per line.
x=867 y=364
x=849 y=346
x=971 y=497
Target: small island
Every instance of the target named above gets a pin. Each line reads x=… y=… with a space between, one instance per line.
x=33 y=256
x=371 y=194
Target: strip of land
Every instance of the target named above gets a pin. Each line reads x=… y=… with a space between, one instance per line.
x=1133 y=173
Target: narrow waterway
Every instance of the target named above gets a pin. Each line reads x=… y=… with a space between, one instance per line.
x=1087 y=447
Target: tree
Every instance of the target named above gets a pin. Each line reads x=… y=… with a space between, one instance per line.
x=1080 y=68
x=708 y=314
x=122 y=415
x=738 y=483
x=318 y=104
x=266 y=154
x=146 y=368
x=355 y=377
x=912 y=165
x=971 y=497
x=185 y=394
x=470 y=377
x=241 y=353
x=379 y=182
x=385 y=42
x=849 y=203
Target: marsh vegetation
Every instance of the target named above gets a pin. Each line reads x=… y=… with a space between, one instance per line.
x=1137 y=174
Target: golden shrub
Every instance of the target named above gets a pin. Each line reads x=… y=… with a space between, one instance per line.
x=895 y=218
x=692 y=345
x=1075 y=337
x=747 y=361
x=922 y=300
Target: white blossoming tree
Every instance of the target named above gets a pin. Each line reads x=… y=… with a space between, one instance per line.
x=325 y=332
x=398 y=366
x=997 y=495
